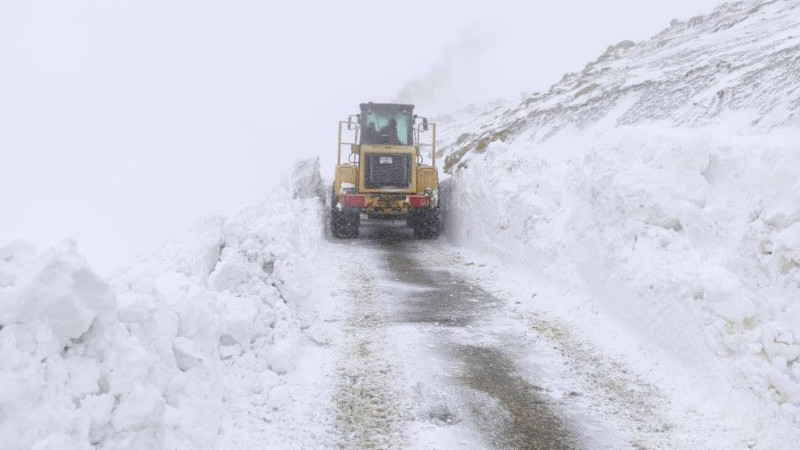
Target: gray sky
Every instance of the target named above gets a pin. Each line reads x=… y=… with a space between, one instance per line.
x=122 y=121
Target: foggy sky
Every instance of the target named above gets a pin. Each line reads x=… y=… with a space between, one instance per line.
x=122 y=121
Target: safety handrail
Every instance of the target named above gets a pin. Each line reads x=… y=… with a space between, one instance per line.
x=419 y=129
x=354 y=129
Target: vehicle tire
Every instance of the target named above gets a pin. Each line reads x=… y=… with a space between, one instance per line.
x=412 y=219
x=428 y=225
x=353 y=222
x=344 y=224
x=339 y=227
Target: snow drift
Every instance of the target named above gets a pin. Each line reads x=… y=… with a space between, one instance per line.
x=150 y=357
x=658 y=186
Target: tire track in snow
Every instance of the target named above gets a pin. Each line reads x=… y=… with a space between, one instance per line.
x=484 y=375
x=368 y=406
x=507 y=409
x=520 y=416
x=595 y=392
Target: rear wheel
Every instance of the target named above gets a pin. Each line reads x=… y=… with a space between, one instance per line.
x=344 y=224
x=426 y=223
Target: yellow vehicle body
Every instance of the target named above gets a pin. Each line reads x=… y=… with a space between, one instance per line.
x=385 y=176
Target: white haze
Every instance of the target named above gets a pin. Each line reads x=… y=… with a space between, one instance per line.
x=120 y=122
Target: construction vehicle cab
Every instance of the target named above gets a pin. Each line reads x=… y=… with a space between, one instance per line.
x=385 y=173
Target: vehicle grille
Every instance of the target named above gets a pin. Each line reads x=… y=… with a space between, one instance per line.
x=388 y=170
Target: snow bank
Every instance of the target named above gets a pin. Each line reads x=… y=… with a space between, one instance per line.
x=306 y=180
x=687 y=237
x=71 y=375
x=658 y=188
x=155 y=355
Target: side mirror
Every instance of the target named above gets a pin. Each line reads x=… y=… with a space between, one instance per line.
x=424 y=124
x=352 y=125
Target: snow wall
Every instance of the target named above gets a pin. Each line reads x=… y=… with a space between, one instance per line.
x=145 y=358
x=690 y=239
x=677 y=218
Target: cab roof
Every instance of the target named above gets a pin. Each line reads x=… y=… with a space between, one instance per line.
x=385 y=106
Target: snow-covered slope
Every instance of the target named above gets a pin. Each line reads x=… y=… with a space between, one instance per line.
x=741 y=58
x=658 y=188
x=163 y=354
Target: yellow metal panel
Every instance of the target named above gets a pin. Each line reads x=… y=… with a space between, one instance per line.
x=345 y=173
x=428 y=178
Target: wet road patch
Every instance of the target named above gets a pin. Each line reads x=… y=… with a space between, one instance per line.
x=439 y=297
x=521 y=417
x=508 y=410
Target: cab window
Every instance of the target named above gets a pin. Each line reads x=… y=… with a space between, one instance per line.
x=386 y=128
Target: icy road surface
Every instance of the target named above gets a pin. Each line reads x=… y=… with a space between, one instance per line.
x=432 y=359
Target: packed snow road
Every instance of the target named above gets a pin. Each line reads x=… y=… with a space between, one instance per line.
x=431 y=359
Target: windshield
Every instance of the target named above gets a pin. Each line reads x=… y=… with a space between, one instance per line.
x=386 y=128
